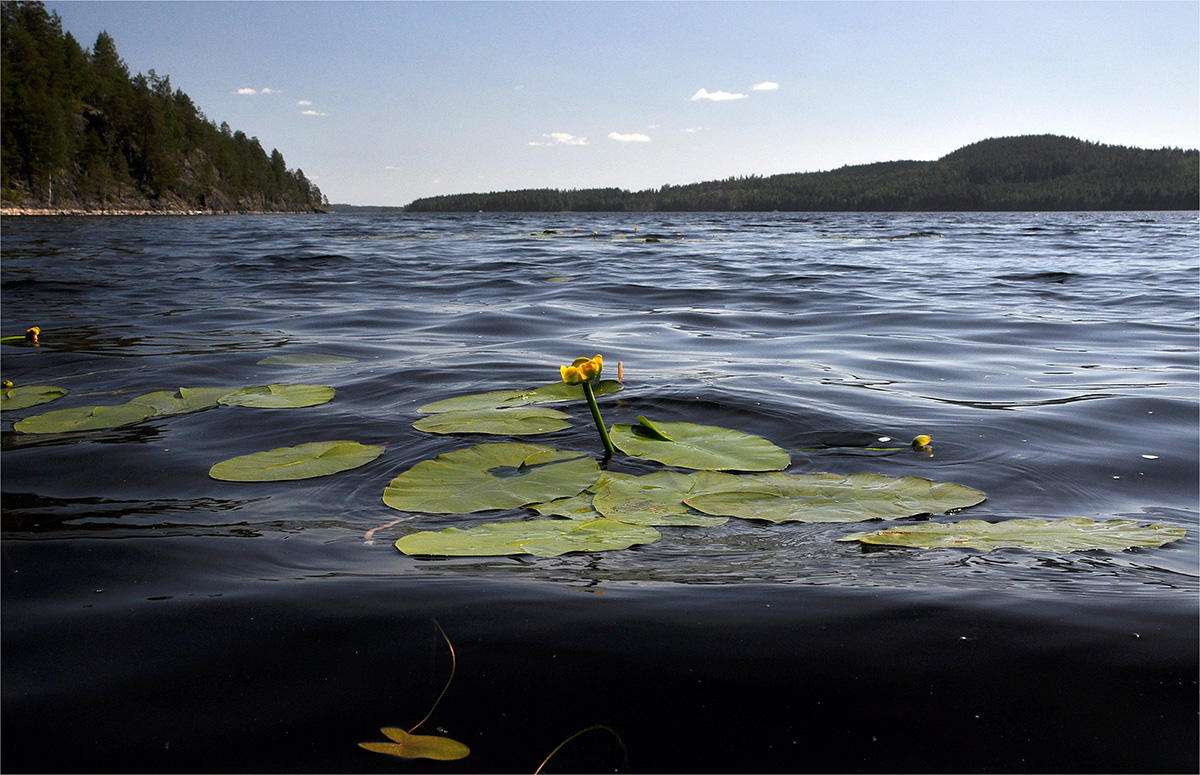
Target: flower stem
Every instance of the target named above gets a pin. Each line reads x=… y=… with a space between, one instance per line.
x=591 y=399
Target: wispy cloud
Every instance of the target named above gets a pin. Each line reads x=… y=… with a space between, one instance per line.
x=246 y=90
x=265 y=90
x=392 y=167
x=691 y=129
x=312 y=113
x=636 y=137
x=304 y=102
x=560 y=138
x=765 y=86
x=716 y=96
x=269 y=90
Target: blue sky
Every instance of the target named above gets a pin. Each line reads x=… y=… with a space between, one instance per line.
x=384 y=102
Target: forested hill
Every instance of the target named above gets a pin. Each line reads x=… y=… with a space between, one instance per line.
x=78 y=133
x=1036 y=172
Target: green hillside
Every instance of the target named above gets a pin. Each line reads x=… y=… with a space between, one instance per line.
x=1036 y=172
x=78 y=132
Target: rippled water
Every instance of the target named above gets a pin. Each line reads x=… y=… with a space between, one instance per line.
x=191 y=624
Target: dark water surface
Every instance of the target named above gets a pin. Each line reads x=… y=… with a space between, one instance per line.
x=157 y=620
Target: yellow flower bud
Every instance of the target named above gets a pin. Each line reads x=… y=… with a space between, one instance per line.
x=571 y=375
x=582 y=370
x=31 y=334
x=921 y=442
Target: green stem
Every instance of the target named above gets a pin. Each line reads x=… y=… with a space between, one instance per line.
x=591 y=399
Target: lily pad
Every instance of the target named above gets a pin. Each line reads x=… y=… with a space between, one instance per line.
x=539 y=537
x=779 y=497
x=651 y=499
x=84 y=418
x=491 y=476
x=572 y=507
x=306 y=461
x=409 y=746
x=498 y=399
x=24 y=396
x=184 y=401
x=279 y=396
x=306 y=359
x=699 y=447
x=517 y=421
x=1059 y=535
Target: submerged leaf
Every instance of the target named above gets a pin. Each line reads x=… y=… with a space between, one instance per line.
x=306 y=359
x=499 y=399
x=699 y=447
x=779 y=497
x=651 y=499
x=306 y=461
x=279 y=396
x=410 y=746
x=491 y=476
x=1060 y=535
x=540 y=537
x=188 y=400
x=24 y=396
x=517 y=421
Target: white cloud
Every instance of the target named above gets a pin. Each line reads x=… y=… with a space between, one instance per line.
x=691 y=129
x=716 y=96
x=269 y=90
x=636 y=137
x=392 y=167
x=560 y=138
x=312 y=113
x=766 y=86
x=247 y=91
x=304 y=102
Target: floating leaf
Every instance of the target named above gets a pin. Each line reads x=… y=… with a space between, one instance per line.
x=24 y=396
x=279 y=396
x=652 y=499
x=517 y=421
x=188 y=400
x=572 y=507
x=498 y=399
x=700 y=447
x=778 y=497
x=84 y=418
x=540 y=537
x=409 y=746
x=491 y=476
x=1059 y=535
x=306 y=359
x=306 y=461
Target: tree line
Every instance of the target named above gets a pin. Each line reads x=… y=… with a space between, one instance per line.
x=78 y=132
x=1028 y=173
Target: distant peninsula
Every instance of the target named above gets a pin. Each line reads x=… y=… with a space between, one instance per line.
x=1027 y=173
x=79 y=135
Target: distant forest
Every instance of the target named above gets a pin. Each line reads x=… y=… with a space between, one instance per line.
x=79 y=133
x=1030 y=173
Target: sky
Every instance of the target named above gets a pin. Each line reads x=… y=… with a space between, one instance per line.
x=380 y=103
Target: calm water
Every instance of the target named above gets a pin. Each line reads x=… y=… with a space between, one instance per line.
x=157 y=620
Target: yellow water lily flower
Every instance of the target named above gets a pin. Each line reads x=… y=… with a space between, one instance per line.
x=921 y=442
x=31 y=334
x=582 y=370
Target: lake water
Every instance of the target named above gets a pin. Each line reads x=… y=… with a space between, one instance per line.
x=157 y=620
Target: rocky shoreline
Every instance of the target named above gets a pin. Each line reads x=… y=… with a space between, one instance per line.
x=73 y=211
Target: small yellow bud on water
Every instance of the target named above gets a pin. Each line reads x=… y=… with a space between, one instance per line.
x=921 y=442
x=31 y=334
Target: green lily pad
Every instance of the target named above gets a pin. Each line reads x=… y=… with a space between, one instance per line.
x=1059 y=535
x=24 y=396
x=306 y=359
x=539 y=537
x=409 y=746
x=517 y=421
x=279 y=396
x=699 y=447
x=84 y=418
x=651 y=499
x=499 y=399
x=778 y=497
x=571 y=507
x=306 y=461
x=491 y=476
x=187 y=400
